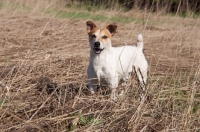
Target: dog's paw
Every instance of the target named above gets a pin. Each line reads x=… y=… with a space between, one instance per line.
x=92 y=92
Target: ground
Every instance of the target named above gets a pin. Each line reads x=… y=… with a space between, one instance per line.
x=43 y=82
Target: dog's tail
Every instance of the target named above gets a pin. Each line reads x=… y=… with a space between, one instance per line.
x=140 y=43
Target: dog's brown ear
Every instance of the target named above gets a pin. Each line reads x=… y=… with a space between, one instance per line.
x=112 y=28
x=90 y=26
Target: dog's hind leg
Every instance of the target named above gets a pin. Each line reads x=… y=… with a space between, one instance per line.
x=142 y=77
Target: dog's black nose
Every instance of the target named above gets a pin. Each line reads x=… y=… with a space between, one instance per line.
x=97 y=44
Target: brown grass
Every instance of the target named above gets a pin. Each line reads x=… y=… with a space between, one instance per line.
x=43 y=62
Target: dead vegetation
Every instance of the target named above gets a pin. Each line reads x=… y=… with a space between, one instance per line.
x=43 y=83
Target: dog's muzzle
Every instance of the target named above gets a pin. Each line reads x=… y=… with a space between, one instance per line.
x=97 y=49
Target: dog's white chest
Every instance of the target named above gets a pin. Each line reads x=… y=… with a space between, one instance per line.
x=104 y=67
x=101 y=67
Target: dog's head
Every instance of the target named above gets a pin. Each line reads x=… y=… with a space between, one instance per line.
x=100 y=39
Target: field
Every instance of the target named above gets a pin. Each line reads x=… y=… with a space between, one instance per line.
x=43 y=83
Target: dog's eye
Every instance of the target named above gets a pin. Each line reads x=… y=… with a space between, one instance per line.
x=105 y=37
x=93 y=36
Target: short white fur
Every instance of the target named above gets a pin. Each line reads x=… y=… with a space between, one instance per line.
x=114 y=64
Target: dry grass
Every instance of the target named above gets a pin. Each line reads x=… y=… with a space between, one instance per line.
x=43 y=62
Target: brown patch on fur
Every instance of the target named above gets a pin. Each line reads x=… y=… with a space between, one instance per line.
x=90 y=26
x=105 y=32
x=112 y=29
x=93 y=31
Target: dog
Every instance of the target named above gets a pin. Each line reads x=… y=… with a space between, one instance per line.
x=113 y=65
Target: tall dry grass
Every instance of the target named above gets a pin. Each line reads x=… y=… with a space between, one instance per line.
x=43 y=83
x=175 y=6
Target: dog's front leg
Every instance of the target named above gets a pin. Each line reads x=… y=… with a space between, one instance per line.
x=113 y=85
x=92 y=85
x=113 y=94
x=92 y=79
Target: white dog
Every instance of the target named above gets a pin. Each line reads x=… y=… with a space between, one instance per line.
x=111 y=65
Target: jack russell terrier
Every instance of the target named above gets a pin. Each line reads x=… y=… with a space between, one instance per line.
x=113 y=65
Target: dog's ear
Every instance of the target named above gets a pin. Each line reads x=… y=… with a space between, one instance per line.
x=90 y=26
x=112 y=28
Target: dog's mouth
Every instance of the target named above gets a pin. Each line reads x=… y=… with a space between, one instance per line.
x=97 y=50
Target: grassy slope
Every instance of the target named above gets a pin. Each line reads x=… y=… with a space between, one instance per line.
x=41 y=52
